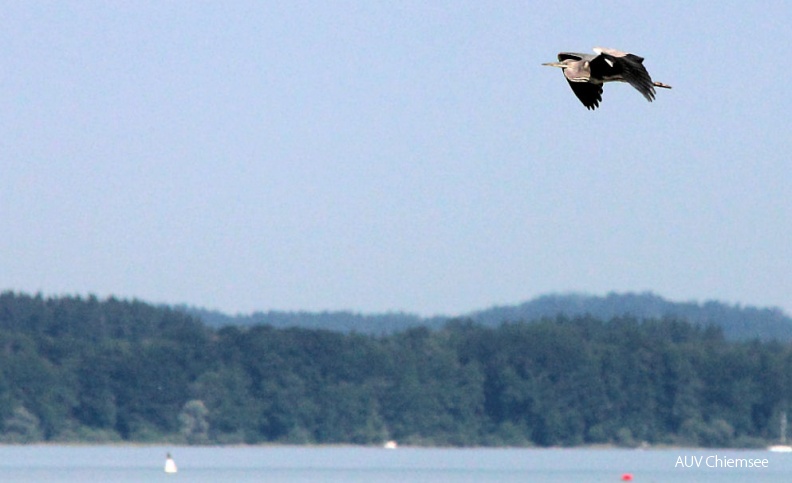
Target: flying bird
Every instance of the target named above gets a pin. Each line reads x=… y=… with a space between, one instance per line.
x=586 y=73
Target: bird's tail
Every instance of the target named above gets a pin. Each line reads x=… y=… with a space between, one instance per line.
x=660 y=84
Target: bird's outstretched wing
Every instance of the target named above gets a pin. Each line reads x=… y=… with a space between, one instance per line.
x=589 y=94
x=615 y=53
x=637 y=76
x=631 y=69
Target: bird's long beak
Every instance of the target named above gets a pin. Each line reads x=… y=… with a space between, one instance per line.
x=555 y=64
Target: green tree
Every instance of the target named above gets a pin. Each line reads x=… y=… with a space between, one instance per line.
x=22 y=427
x=194 y=423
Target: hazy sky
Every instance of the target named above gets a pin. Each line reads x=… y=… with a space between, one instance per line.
x=385 y=156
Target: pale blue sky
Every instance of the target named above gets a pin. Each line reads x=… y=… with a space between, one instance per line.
x=382 y=156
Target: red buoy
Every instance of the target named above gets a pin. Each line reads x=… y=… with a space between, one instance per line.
x=627 y=477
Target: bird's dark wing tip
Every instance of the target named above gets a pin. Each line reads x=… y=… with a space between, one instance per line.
x=589 y=94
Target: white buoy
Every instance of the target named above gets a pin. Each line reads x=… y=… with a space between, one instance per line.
x=170 y=465
x=391 y=445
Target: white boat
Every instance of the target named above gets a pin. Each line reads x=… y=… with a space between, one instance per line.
x=783 y=447
x=170 y=465
x=780 y=448
x=390 y=445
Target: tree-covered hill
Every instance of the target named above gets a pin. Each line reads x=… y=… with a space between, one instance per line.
x=340 y=321
x=83 y=369
x=737 y=322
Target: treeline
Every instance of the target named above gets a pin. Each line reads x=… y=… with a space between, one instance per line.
x=737 y=322
x=83 y=369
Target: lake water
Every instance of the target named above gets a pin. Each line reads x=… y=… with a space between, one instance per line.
x=270 y=464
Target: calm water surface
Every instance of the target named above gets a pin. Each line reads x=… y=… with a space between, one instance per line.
x=373 y=465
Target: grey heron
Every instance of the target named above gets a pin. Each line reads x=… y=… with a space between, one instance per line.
x=586 y=73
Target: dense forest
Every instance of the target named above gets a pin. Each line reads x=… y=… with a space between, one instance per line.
x=737 y=322
x=84 y=369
